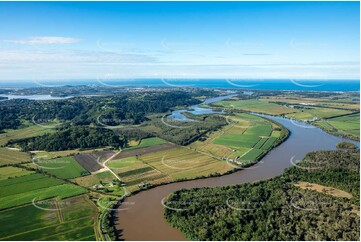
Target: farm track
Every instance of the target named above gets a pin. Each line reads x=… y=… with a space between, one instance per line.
x=59 y=212
x=109 y=159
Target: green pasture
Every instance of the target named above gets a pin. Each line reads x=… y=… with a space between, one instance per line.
x=59 y=191
x=147 y=142
x=64 y=167
x=11 y=172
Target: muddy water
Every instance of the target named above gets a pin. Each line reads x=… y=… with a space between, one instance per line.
x=141 y=217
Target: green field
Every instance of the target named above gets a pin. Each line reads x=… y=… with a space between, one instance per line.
x=301 y=115
x=260 y=143
x=166 y=166
x=134 y=171
x=62 y=153
x=316 y=112
x=60 y=191
x=125 y=162
x=256 y=137
x=11 y=172
x=268 y=144
x=252 y=155
x=267 y=107
x=147 y=142
x=349 y=124
x=248 y=139
x=328 y=102
x=27 y=183
x=32 y=131
x=276 y=134
x=235 y=140
x=184 y=163
x=91 y=180
x=71 y=219
x=8 y=156
x=259 y=130
x=256 y=105
x=64 y=167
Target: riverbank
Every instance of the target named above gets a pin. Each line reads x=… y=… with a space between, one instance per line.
x=141 y=216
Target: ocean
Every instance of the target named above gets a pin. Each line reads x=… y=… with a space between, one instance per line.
x=266 y=84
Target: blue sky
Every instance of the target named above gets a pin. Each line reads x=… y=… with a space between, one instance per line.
x=87 y=40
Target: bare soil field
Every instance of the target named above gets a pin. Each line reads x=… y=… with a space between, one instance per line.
x=88 y=161
x=328 y=190
x=103 y=155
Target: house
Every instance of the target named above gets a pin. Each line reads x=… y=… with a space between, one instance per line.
x=143 y=184
x=97 y=186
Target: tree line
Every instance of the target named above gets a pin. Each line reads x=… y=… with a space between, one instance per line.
x=275 y=209
x=127 y=108
x=72 y=137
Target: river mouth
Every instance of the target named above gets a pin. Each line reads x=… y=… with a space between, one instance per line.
x=141 y=216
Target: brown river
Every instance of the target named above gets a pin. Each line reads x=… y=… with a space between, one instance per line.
x=140 y=217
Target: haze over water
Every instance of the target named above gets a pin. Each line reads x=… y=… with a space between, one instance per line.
x=271 y=84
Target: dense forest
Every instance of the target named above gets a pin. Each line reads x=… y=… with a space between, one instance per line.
x=184 y=133
x=127 y=108
x=72 y=138
x=73 y=118
x=346 y=145
x=9 y=121
x=276 y=209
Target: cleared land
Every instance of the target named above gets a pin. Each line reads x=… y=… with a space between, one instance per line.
x=325 y=102
x=9 y=156
x=32 y=131
x=21 y=190
x=11 y=172
x=69 y=219
x=62 y=153
x=91 y=180
x=257 y=136
x=333 y=113
x=146 y=143
x=256 y=105
x=243 y=141
x=165 y=166
x=88 y=161
x=304 y=111
x=138 y=172
x=145 y=150
x=184 y=163
x=316 y=112
x=324 y=189
x=122 y=163
x=65 y=167
x=60 y=191
x=26 y=184
x=348 y=125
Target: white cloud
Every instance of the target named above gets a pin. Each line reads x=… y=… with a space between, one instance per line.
x=44 y=40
